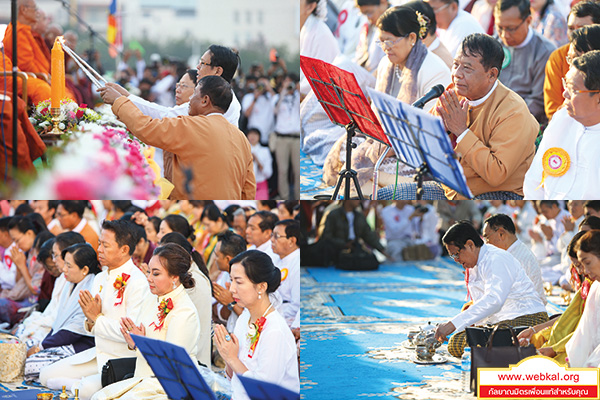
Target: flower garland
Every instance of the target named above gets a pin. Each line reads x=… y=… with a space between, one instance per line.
x=254 y=330
x=119 y=285
x=164 y=308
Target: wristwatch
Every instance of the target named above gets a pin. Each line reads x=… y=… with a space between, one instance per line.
x=230 y=305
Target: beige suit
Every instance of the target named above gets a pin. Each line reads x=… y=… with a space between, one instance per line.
x=212 y=158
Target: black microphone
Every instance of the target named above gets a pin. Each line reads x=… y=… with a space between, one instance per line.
x=433 y=93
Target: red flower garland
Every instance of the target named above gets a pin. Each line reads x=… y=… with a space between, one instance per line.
x=120 y=284
x=254 y=331
x=164 y=308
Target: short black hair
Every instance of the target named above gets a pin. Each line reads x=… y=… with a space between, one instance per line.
x=139 y=232
x=232 y=244
x=524 y=6
x=41 y=238
x=589 y=65
x=461 y=232
x=548 y=203
x=226 y=58
x=66 y=239
x=586 y=38
x=360 y=3
x=193 y=74
x=75 y=206
x=591 y=221
x=267 y=220
x=593 y=204
x=179 y=223
x=587 y=9
x=399 y=21
x=292 y=229
x=83 y=255
x=124 y=233
x=212 y=212
x=424 y=8
x=31 y=222
x=218 y=90
x=4 y=222
x=501 y=221
x=23 y=209
x=488 y=49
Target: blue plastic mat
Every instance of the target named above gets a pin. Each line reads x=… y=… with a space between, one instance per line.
x=354 y=325
x=311 y=179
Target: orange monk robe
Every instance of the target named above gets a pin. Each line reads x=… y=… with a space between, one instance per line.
x=30 y=145
x=42 y=45
x=217 y=154
x=556 y=69
x=37 y=89
x=31 y=58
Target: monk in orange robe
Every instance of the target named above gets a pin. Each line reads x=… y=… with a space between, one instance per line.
x=37 y=89
x=30 y=145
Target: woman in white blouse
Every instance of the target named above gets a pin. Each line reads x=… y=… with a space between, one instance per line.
x=175 y=322
x=262 y=346
x=583 y=350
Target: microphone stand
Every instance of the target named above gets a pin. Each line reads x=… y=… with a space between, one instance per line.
x=13 y=20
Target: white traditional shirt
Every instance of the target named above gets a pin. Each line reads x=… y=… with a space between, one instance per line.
x=275 y=358
x=581 y=143
x=461 y=26
x=266 y=248
x=583 y=350
x=425 y=228
x=107 y=329
x=289 y=289
x=8 y=269
x=181 y=327
x=316 y=41
x=201 y=296
x=531 y=266
x=500 y=288
x=396 y=222
x=558 y=228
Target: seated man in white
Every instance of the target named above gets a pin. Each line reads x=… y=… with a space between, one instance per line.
x=501 y=291
x=499 y=230
x=566 y=164
x=117 y=292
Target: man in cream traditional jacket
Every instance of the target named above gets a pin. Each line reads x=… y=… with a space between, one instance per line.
x=118 y=291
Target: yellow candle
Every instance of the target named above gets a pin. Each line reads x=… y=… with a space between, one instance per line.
x=58 y=74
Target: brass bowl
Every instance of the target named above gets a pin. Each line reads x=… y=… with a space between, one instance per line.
x=45 y=396
x=425 y=352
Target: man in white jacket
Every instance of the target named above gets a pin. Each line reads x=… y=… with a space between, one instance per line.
x=118 y=291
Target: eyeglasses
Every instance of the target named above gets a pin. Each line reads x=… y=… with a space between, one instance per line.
x=387 y=44
x=437 y=10
x=572 y=92
x=455 y=255
x=500 y=29
x=182 y=86
x=205 y=63
x=276 y=236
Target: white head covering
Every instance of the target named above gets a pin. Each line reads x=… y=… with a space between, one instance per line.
x=70 y=316
x=322 y=9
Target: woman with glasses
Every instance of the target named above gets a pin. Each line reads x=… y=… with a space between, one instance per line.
x=407 y=72
x=184 y=89
x=566 y=163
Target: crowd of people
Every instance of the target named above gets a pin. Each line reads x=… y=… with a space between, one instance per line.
x=518 y=74
x=79 y=278
x=256 y=150
x=513 y=254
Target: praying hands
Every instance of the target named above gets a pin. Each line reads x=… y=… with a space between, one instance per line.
x=91 y=306
x=454 y=112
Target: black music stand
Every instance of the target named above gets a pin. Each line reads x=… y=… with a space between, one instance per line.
x=422 y=141
x=346 y=105
x=174 y=369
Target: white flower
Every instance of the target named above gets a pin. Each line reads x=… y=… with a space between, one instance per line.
x=61 y=126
